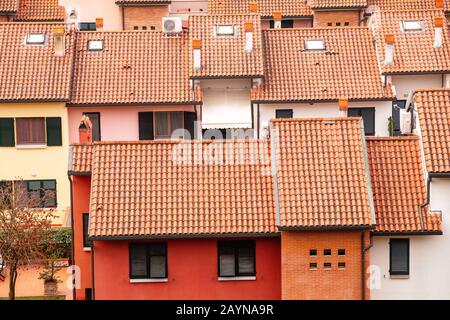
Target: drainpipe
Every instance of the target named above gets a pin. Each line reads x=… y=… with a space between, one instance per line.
x=364 y=249
x=258 y=120
x=74 y=291
x=92 y=271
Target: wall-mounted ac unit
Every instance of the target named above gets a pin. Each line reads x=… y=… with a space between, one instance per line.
x=405 y=122
x=172 y=25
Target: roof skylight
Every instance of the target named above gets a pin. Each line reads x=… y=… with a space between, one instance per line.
x=35 y=39
x=412 y=25
x=95 y=45
x=314 y=45
x=225 y=30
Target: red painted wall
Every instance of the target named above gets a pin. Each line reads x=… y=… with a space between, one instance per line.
x=81 y=190
x=192 y=272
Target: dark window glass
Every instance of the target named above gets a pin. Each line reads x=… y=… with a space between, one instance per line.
x=396 y=107
x=399 y=257
x=346 y=24
x=341 y=265
x=327 y=252
x=7 y=138
x=368 y=115
x=96 y=130
x=87 y=26
x=313 y=252
x=86 y=241
x=327 y=265
x=148 y=261
x=341 y=252
x=236 y=258
x=88 y=293
x=30 y=130
x=189 y=124
x=313 y=265
x=284 y=113
x=36 y=193
x=284 y=24
x=146 y=126
x=338 y=24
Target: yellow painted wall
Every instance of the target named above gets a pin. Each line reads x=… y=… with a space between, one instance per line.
x=39 y=164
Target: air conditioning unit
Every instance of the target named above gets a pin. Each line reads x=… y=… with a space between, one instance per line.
x=405 y=122
x=172 y=25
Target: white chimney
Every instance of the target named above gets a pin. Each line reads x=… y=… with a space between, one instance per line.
x=389 y=57
x=438 y=25
x=197 y=46
x=59 y=41
x=277 y=19
x=248 y=27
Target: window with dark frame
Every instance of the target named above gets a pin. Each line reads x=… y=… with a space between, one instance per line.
x=313 y=252
x=39 y=193
x=285 y=24
x=368 y=115
x=284 y=113
x=87 y=26
x=397 y=106
x=86 y=242
x=236 y=258
x=166 y=123
x=327 y=252
x=399 y=257
x=96 y=129
x=148 y=261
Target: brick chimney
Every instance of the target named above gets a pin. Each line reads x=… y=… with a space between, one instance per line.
x=438 y=25
x=99 y=24
x=343 y=103
x=277 y=19
x=439 y=4
x=389 y=55
x=197 y=46
x=253 y=7
x=248 y=27
x=59 y=41
x=85 y=130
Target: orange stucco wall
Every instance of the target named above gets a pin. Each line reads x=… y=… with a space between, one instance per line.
x=192 y=272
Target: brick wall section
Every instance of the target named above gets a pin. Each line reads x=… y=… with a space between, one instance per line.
x=299 y=282
x=322 y=18
x=298 y=23
x=144 y=16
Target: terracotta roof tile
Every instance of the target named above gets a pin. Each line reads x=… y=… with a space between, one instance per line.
x=338 y=4
x=134 y=67
x=9 y=6
x=80 y=162
x=142 y=2
x=347 y=67
x=33 y=72
x=433 y=107
x=40 y=10
x=413 y=51
x=288 y=8
x=398 y=186
x=388 y=5
x=322 y=174
x=138 y=190
x=225 y=56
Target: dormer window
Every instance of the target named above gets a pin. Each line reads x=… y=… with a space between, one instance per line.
x=412 y=25
x=35 y=39
x=314 y=45
x=95 y=45
x=225 y=30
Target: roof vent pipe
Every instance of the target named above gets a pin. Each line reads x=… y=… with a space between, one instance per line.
x=389 y=57
x=438 y=25
x=197 y=46
x=277 y=19
x=248 y=27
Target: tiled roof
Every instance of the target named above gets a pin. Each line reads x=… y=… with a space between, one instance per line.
x=398 y=186
x=288 y=8
x=225 y=56
x=33 y=72
x=134 y=67
x=40 y=10
x=338 y=4
x=347 y=67
x=387 y=5
x=322 y=174
x=433 y=107
x=80 y=162
x=413 y=51
x=9 y=6
x=142 y=2
x=139 y=190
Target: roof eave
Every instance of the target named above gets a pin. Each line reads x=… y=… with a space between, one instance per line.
x=326 y=228
x=105 y=104
x=407 y=233
x=186 y=236
x=322 y=100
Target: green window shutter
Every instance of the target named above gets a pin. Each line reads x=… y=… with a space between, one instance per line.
x=54 y=136
x=7 y=132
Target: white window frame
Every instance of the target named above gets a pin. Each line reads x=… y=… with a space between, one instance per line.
x=225 y=30
x=314 y=45
x=95 y=45
x=32 y=41
x=412 y=26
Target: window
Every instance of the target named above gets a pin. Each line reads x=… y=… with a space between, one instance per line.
x=368 y=115
x=35 y=39
x=399 y=257
x=329 y=24
x=87 y=26
x=346 y=23
x=396 y=107
x=148 y=261
x=314 y=45
x=341 y=252
x=7 y=137
x=285 y=24
x=225 y=30
x=160 y=125
x=95 y=119
x=86 y=242
x=313 y=266
x=338 y=24
x=95 y=45
x=313 y=252
x=136 y=28
x=341 y=265
x=236 y=258
x=30 y=131
x=228 y=134
x=144 y=28
x=152 y=28
x=36 y=193
x=166 y=123
x=327 y=252
x=412 y=25
x=327 y=265
x=284 y=113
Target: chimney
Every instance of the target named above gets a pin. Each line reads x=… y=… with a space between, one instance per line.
x=438 y=25
x=253 y=7
x=59 y=41
x=439 y=4
x=248 y=27
x=343 y=106
x=85 y=130
x=389 y=56
x=99 y=24
x=277 y=19
x=197 y=46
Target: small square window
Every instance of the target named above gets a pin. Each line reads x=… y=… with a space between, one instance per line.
x=95 y=45
x=313 y=266
x=313 y=252
x=338 y=24
x=329 y=24
x=152 y=28
x=144 y=28
x=136 y=28
x=327 y=252
x=327 y=265
x=341 y=265
x=341 y=252
x=315 y=45
x=412 y=25
x=36 y=38
x=346 y=24
x=225 y=30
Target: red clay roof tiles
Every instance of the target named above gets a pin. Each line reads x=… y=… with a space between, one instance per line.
x=142 y=2
x=80 y=160
x=40 y=10
x=337 y=4
x=347 y=67
x=33 y=72
x=398 y=186
x=138 y=190
x=433 y=107
x=413 y=50
x=138 y=67
x=9 y=6
x=388 y=5
x=225 y=56
x=322 y=174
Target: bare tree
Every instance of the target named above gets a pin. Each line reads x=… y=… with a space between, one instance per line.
x=25 y=226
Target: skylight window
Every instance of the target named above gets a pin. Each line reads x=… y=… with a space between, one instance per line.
x=95 y=45
x=35 y=39
x=314 y=45
x=225 y=30
x=412 y=25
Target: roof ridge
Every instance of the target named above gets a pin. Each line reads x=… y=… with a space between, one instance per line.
x=168 y=141
x=393 y=138
x=317 y=119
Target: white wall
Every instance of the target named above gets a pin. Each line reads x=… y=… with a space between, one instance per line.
x=404 y=84
x=383 y=110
